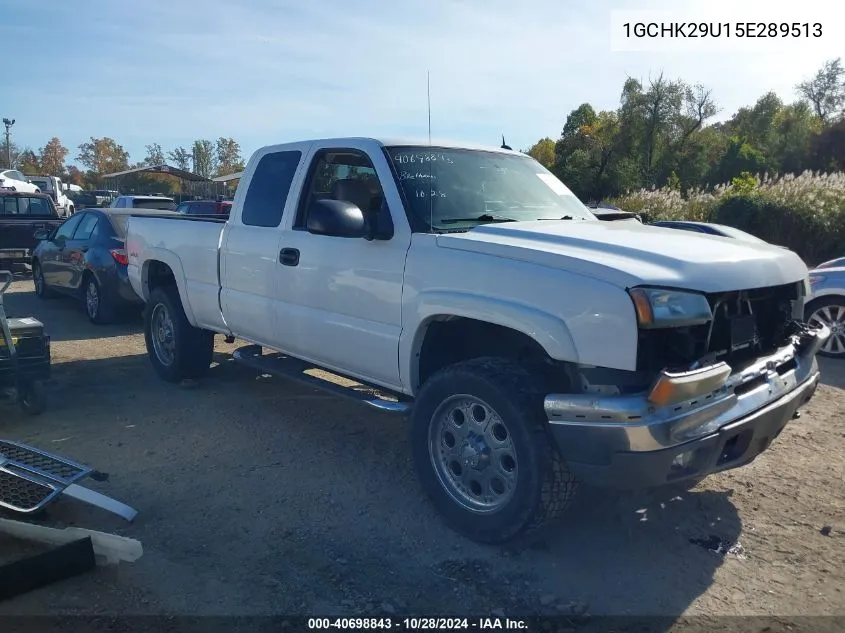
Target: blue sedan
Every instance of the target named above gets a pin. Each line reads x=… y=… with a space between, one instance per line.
x=85 y=258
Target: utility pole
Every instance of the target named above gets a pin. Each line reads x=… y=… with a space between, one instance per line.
x=8 y=123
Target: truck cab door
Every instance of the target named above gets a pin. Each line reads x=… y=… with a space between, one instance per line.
x=339 y=301
x=249 y=257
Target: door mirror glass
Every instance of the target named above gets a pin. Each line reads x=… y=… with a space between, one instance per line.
x=337 y=218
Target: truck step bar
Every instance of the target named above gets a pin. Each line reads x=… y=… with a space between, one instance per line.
x=286 y=367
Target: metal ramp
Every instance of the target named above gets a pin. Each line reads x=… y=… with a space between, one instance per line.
x=283 y=366
x=30 y=479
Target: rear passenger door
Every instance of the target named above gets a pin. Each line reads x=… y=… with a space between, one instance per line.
x=74 y=256
x=249 y=257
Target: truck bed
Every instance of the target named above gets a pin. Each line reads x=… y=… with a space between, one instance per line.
x=191 y=252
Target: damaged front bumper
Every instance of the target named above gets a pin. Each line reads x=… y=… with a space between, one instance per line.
x=712 y=420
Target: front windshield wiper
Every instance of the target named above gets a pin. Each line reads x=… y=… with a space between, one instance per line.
x=566 y=217
x=479 y=218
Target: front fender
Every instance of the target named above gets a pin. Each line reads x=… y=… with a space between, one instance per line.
x=175 y=263
x=549 y=331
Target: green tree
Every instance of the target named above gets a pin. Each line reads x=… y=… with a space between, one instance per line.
x=543 y=151
x=28 y=163
x=204 y=159
x=228 y=154
x=103 y=156
x=739 y=157
x=181 y=158
x=155 y=155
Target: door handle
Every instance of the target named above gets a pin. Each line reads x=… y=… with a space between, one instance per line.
x=289 y=256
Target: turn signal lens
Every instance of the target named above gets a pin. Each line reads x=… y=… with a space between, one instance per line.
x=642 y=304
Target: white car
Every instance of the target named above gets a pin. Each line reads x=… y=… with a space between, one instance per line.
x=532 y=345
x=16 y=181
x=826 y=305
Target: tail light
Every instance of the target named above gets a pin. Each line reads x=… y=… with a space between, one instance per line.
x=119 y=256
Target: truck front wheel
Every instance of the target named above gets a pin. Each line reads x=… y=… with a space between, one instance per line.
x=483 y=453
x=177 y=350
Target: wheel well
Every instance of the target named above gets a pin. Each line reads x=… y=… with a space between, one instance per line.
x=450 y=340
x=159 y=274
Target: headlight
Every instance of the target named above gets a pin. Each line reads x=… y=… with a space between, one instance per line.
x=657 y=308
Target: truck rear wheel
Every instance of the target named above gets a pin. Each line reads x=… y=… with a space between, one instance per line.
x=483 y=452
x=177 y=350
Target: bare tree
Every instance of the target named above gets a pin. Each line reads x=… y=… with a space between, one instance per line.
x=826 y=91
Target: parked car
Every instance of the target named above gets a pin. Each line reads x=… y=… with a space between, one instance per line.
x=826 y=304
x=143 y=202
x=104 y=196
x=710 y=229
x=532 y=345
x=205 y=207
x=85 y=258
x=21 y=215
x=16 y=181
x=84 y=199
x=839 y=262
x=57 y=190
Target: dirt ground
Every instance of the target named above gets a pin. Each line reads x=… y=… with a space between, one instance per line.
x=260 y=496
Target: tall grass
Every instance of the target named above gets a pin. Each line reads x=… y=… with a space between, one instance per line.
x=804 y=212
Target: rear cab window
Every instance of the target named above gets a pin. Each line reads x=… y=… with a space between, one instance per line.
x=161 y=204
x=23 y=205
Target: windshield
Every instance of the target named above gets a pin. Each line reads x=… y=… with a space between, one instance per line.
x=449 y=189
x=42 y=183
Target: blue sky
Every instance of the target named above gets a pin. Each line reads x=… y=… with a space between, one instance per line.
x=267 y=71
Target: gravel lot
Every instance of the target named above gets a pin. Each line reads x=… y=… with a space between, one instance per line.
x=258 y=496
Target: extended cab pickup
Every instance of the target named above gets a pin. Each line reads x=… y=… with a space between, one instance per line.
x=533 y=346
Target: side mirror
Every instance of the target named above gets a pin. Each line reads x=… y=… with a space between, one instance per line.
x=336 y=218
x=41 y=234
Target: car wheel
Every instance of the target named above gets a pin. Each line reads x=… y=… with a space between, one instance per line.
x=42 y=290
x=829 y=311
x=177 y=350
x=97 y=306
x=483 y=453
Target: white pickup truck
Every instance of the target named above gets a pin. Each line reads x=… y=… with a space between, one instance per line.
x=534 y=346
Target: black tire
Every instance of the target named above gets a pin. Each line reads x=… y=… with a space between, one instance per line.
x=42 y=290
x=544 y=486
x=33 y=398
x=98 y=307
x=193 y=348
x=835 y=307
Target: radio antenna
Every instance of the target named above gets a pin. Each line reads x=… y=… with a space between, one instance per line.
x=430 y=170
x=428 y=96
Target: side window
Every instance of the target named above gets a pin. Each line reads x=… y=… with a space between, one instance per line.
x=66 y=230
x=344 y=174
x=269 y=188
x=10 y=205
x=38 y=206
x=86 y=227
x=183 y=208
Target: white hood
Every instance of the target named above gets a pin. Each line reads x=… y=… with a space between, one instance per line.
x=630 y=254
